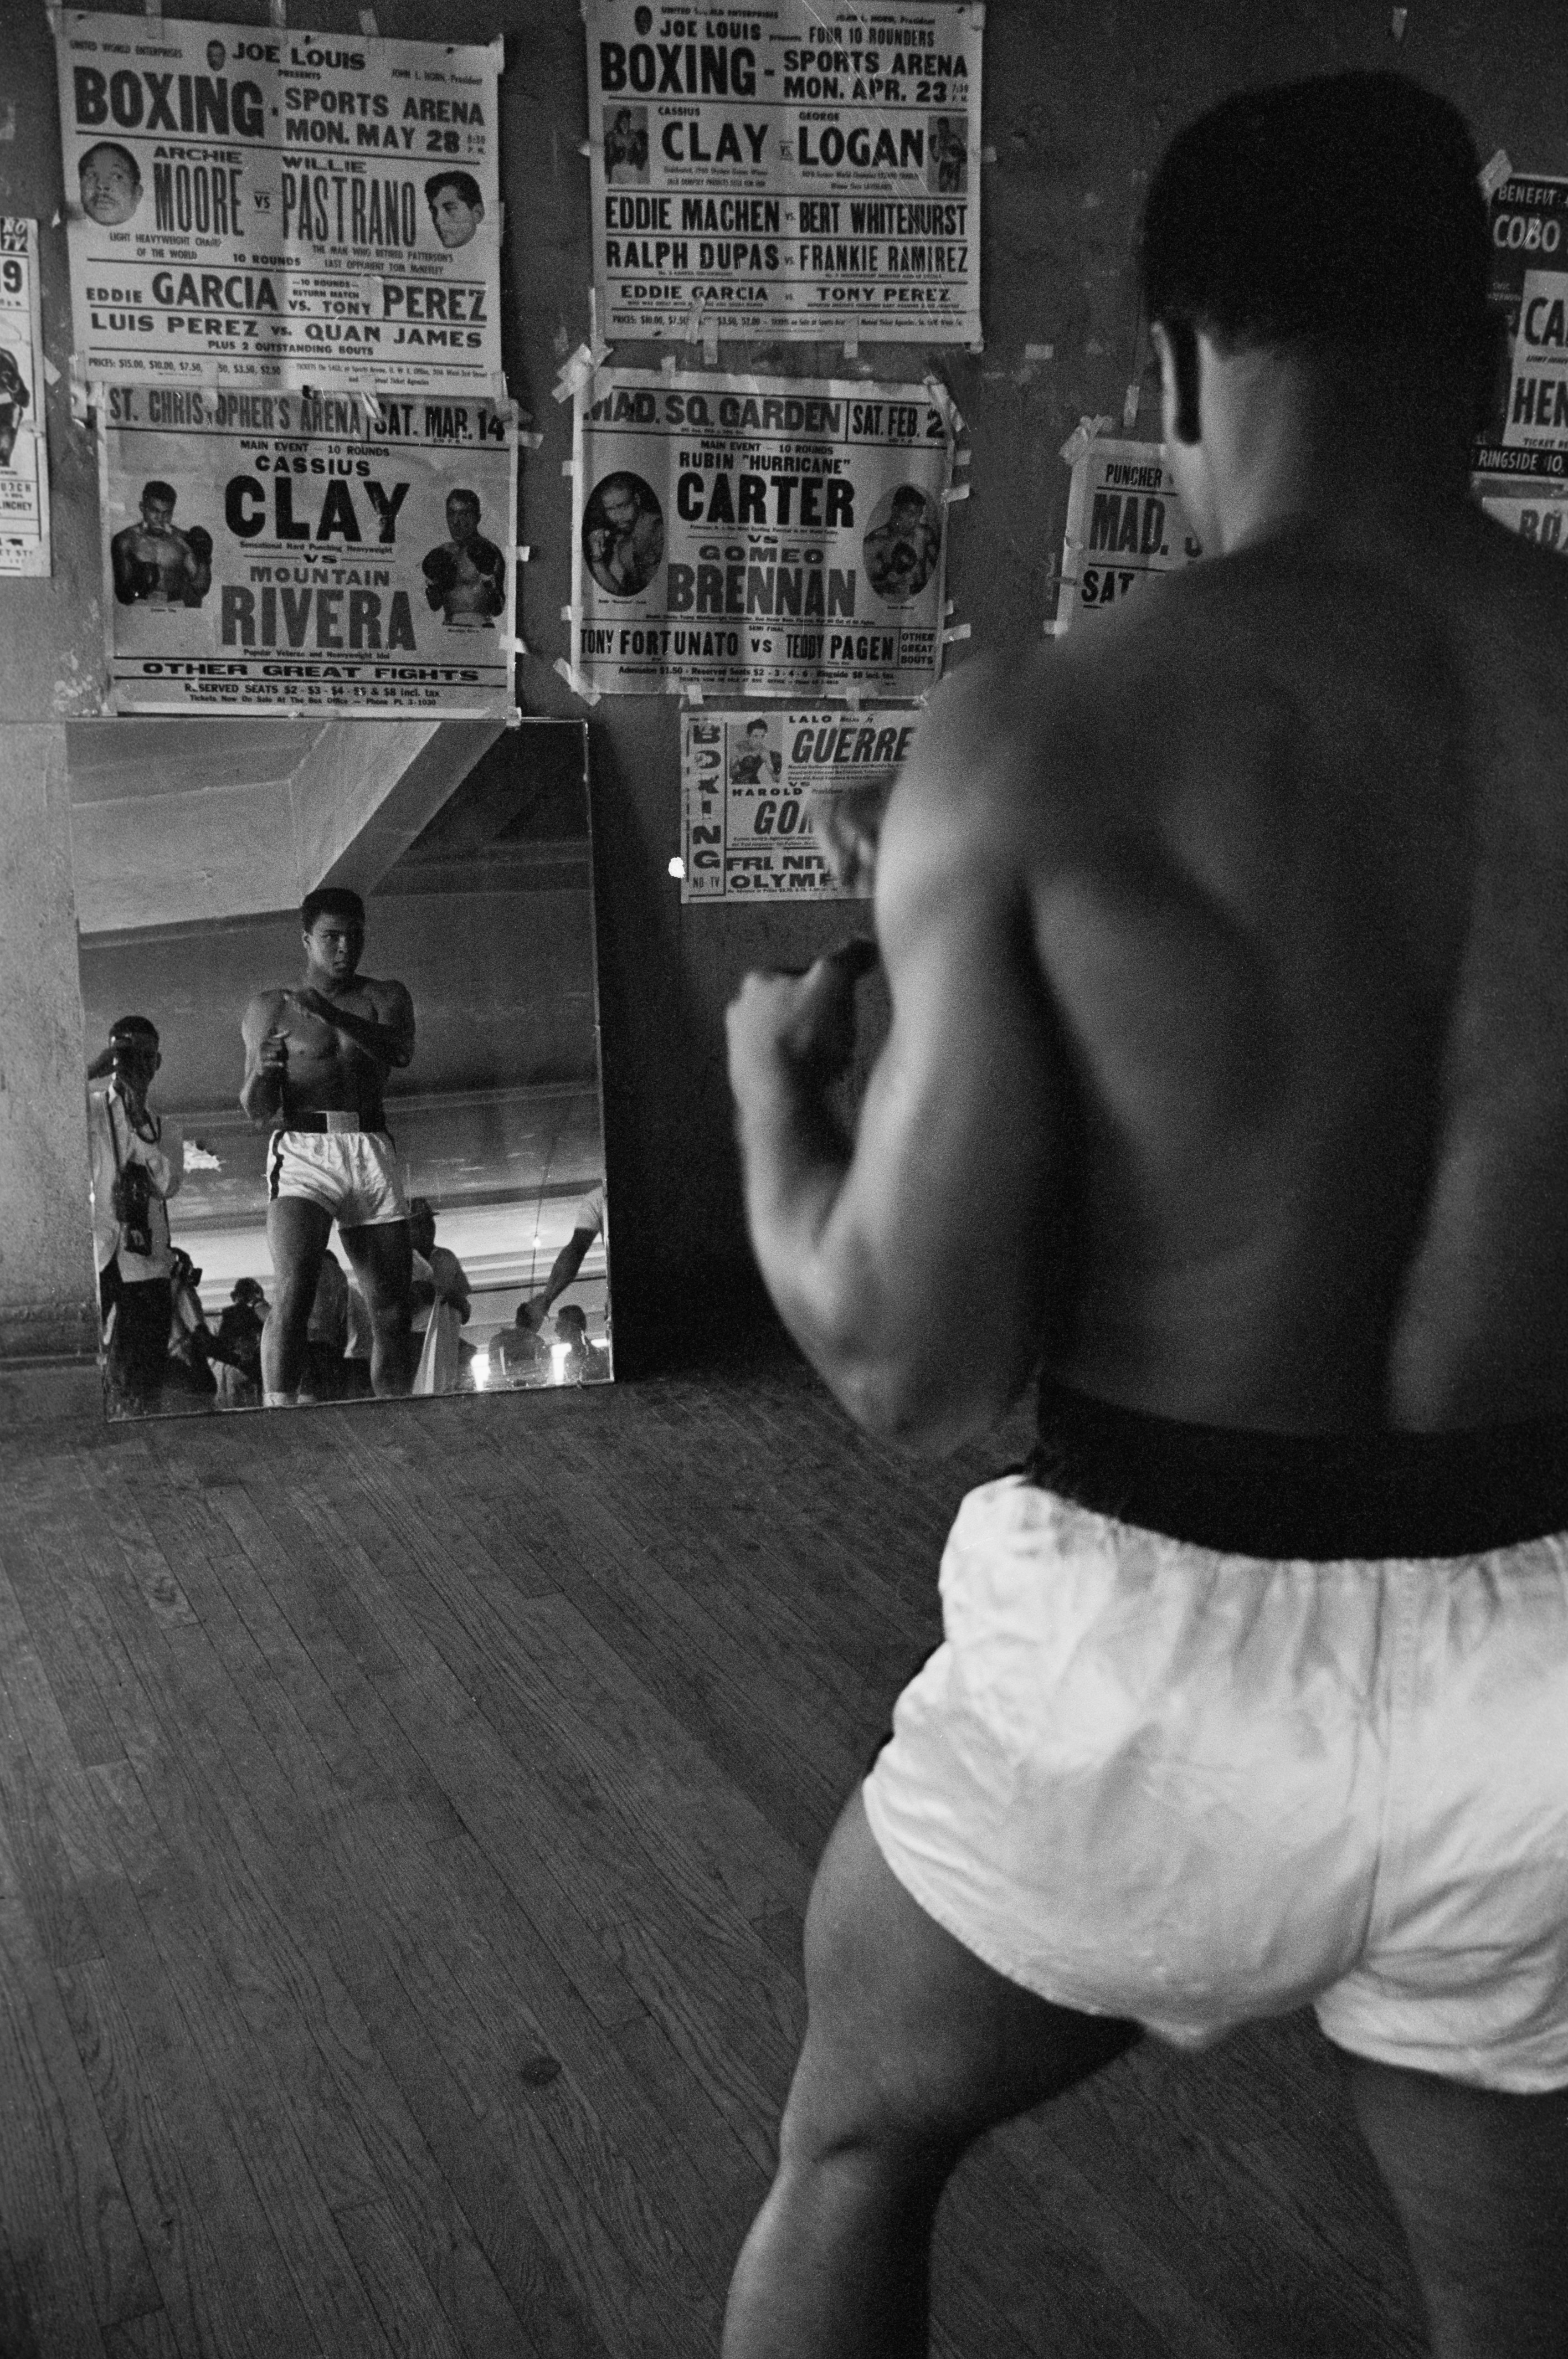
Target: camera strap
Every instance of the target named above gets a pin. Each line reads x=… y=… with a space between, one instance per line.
x=127 y=1223
x=114 y=1134
x=115 y=1100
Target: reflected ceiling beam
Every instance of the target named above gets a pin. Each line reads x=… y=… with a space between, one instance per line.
x=353 y=821
x=193 y=833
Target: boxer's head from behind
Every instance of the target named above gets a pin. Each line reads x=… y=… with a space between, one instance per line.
x=1336 y=223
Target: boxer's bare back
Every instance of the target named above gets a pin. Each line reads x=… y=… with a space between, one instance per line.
x=1276 y=875
x=1226 y=1083
x=1224 y=950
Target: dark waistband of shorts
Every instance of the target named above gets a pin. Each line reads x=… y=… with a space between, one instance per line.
x=1305 y=1495
x=337 y=1125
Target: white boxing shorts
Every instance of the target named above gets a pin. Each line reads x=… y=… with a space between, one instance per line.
x=1148 y=1778
x=351 y=1174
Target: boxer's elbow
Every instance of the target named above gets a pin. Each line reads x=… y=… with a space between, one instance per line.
x=916 y=1386
x=920 y=1408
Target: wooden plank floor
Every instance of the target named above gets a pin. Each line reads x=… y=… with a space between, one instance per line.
x=406 y=1820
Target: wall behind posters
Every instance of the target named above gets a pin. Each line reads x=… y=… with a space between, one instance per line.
x=1080 y=98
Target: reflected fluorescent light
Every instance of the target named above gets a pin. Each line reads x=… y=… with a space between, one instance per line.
x=559 y=1356
x=481 y=1373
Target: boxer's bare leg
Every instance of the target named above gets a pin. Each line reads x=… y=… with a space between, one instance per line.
x=912 y=2049
x=1480 y=2181
x=296 y=1234
x=383 y=1263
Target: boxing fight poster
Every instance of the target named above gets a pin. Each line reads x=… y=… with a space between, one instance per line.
x=758 y=791
x=24 y=455
x=249 y=206
x=1539 y=519
x=1124 y=521
x=307 y=550
x=1527 y=429
x=759 y=536
x=796 y=170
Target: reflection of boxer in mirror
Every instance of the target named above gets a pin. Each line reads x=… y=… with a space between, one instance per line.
x=466 y=576
x=316 y=1059
x=14 y=399
x=155 y=564
x=456 y=206
x=111 y=183
x=623 y=534
x=901 y=552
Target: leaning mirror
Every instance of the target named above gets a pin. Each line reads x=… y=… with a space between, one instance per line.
x=341 y=1057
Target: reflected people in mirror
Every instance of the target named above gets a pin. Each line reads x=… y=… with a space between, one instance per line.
x=314 y=1184
x=138 y=1164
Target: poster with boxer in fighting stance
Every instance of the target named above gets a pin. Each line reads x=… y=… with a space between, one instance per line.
x=247 y=205
x=800 y=170
x=24 y=458
x=787 y=805
x=760 y=536
x=307 y=550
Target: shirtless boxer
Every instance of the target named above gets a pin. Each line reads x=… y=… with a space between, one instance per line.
x=901 y=553
x=627 y=549
x=466 y=576
x=1228 y=960
x=14 y=399
x=317 y=1058
x=155 y=562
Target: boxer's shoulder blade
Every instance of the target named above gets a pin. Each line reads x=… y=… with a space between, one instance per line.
x=1328 y=799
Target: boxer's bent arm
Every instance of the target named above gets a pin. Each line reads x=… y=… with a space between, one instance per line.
x=390 y=1041
x=125 y=568
x=918 y=1265
x=261 y=1091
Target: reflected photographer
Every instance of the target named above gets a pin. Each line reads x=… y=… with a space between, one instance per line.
x=136 y=1165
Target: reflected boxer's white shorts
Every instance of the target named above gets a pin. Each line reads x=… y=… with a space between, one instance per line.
x=353 y=1174
x=1146 y=1778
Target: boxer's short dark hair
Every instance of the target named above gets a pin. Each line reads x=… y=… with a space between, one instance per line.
x=1343 y=211
x=331 y=902
x=465 y=184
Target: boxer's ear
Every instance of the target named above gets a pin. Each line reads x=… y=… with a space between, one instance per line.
x=1176 y=343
